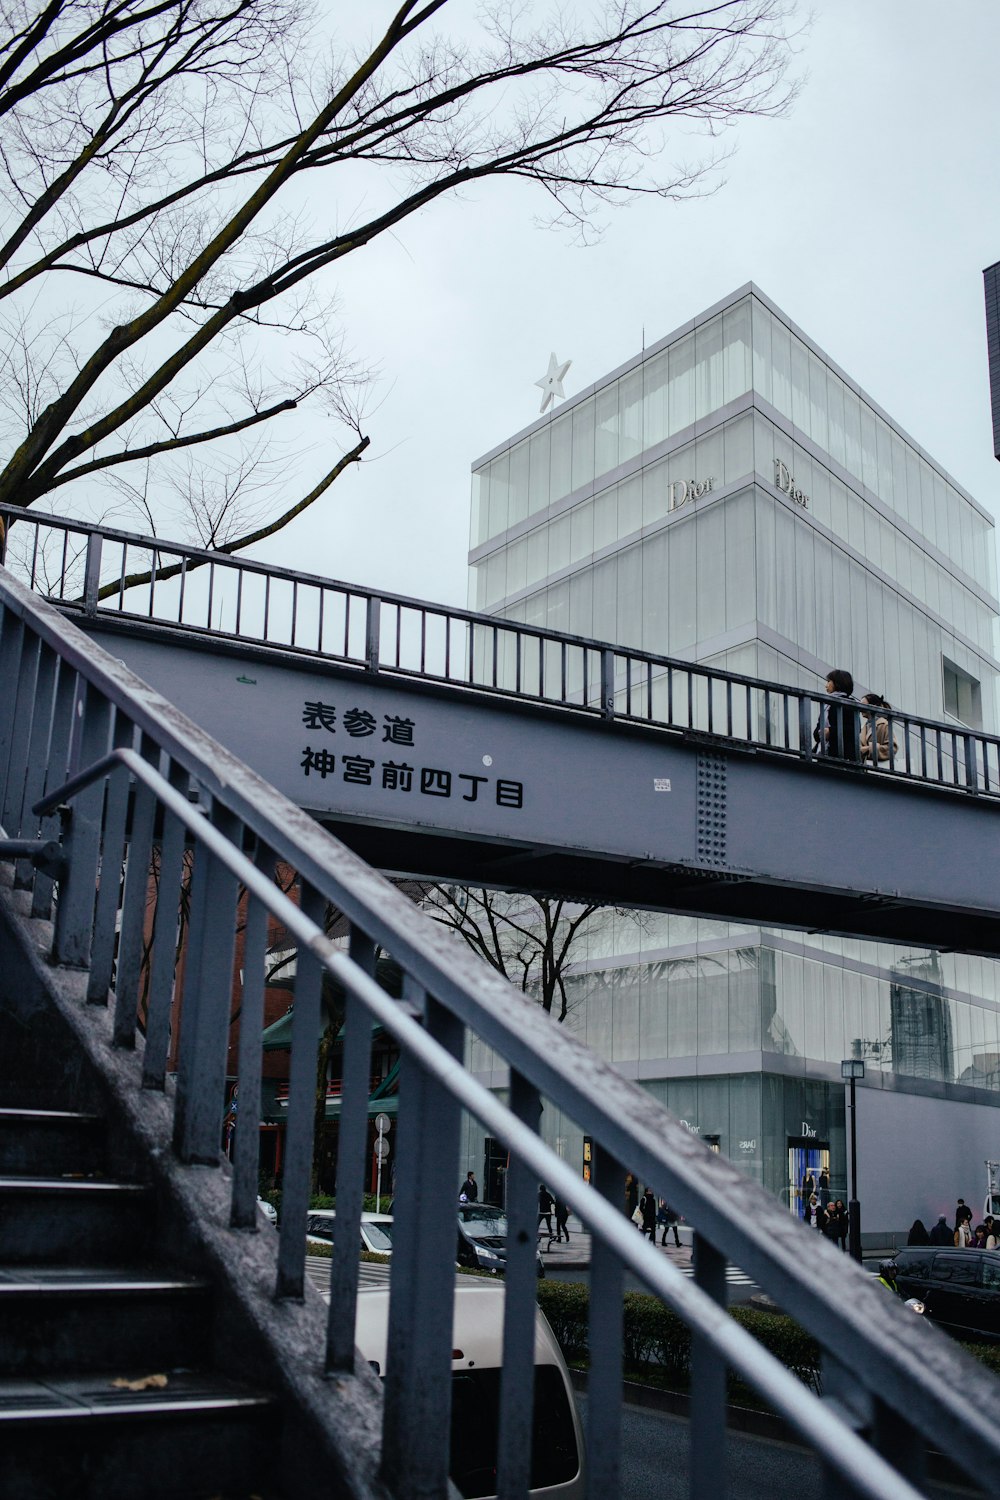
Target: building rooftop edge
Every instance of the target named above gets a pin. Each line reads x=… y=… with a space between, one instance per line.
x=749 y=288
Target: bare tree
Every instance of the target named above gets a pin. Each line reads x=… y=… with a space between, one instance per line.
x=171 y=220
x=531 y=939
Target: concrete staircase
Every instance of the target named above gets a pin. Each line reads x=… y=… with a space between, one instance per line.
x=108 y=1380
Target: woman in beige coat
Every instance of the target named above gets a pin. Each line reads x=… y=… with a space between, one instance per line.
x=881 y=730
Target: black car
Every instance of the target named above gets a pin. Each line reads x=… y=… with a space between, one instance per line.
x=960 y=1289
x=482 y=1238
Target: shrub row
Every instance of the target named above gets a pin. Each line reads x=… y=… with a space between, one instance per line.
x=653 y=1335
x=657 y=1343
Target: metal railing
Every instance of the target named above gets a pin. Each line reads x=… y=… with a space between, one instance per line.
x=96 y=570
x=93 y=758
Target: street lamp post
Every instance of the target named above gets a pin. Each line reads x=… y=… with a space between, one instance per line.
x=851 y=1070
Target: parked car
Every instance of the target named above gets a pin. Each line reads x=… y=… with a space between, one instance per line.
x=959 y=1289
x=376 y=1230
x=477 y=1337
x=482 y=1239
x=267 y=1209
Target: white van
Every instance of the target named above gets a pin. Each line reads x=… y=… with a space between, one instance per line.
x=477 y=1351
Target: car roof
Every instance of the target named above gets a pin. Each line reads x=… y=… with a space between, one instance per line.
x=366 y=1218
x=477 y=1328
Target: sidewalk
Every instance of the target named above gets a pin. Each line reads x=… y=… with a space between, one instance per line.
x=575 y=1256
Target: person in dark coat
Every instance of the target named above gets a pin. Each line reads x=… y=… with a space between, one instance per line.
x=843 y=1223
x=667 y=1219
x=823 y=1188
x=808 y=1188
x=470 y=1189
x=942 y=1233
x=831 y=1224
x=545 y=1202
x=647 y=1207
x=562 y=1220
x=918 y=1234
x=631 y=1195
x=836 y=733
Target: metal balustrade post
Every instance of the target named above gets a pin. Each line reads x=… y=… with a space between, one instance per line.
x=607 y=684
x=604 y=1385
x=208 y=977
x=11 y=648
x=169 y=886
x=352 y=1161
x=138 y=856
x=12 y=802
x=517 y=1380
x=853 y=1403
x=92 y=573
x=77 y=890
x=708 y=1383
x=102 y=948
x=307 y=1020
x=421 y=1303
x=54 y=760
x=373 y=629
x=38 y=746
x=902 y=1444
x=246 y=1137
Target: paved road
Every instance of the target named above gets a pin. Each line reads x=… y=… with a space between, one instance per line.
x=656 y=1451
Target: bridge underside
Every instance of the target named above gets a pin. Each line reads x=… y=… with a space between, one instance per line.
x=434 y=782
x=666 y=887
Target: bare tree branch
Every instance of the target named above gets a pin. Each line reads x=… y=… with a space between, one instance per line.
x=148 y=153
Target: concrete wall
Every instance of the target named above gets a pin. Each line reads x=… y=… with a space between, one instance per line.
x=917 y=1156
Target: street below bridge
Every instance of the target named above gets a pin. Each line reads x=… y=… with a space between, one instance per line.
x=656 y=1450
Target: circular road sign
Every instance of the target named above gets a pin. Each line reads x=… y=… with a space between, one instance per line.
x=383 y=1124
x=381 y=1149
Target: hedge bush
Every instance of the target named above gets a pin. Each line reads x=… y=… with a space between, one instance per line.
x=655 y=1338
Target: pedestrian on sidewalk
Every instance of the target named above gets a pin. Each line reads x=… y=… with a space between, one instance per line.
x=667 y=1219
x=562 y=1220
x=647 y=1207
x=545 y=1202
x=631 y=1195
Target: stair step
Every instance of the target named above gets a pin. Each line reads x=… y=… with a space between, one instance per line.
x=53 y=1141
x=46 y=1219
x=89 y=1319
x=89 y=1398
x=201 y=1435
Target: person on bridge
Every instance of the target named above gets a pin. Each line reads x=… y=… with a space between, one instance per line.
x=836 y=732
x=875 y=700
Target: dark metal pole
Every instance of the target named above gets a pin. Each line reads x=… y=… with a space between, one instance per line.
x=854 y=1207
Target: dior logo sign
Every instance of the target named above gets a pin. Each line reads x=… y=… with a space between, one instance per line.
x=683 y=490
x=808 y=1131
x=786 y=484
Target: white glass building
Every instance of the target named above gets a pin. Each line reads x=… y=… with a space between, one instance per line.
x=731 y=496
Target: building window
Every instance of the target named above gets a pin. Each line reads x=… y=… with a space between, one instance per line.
x=962 y=695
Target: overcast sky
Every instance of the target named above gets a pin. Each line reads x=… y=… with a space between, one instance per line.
x=867 y=215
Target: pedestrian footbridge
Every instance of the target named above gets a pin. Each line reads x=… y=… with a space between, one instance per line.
x=450 y=745
x=128 y=1247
